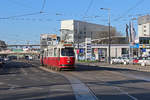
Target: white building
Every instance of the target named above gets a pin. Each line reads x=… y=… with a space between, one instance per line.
x=48 y=39
x=76 y=31
x=144 y=26
x=144 y=34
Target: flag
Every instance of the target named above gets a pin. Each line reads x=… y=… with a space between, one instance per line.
x=130 y=30
x=127 y=33
x=132 y=33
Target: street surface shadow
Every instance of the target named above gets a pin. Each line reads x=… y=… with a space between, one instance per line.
x=126 y=81
x=13 y=67
x=81 y=67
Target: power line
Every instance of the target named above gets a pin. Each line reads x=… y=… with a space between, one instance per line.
x=43 y=5
x=130 y=9
x=23 y=15
x=31 y=19
x=28 y=14
x=89 y=6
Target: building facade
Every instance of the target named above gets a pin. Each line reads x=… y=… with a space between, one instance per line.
x=144 y=26
x=144 y=34
x=48 y=39
x=77 y=31
x=2 y=45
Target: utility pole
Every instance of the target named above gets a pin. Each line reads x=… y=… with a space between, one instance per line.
x=109 y=35
x=78 y=39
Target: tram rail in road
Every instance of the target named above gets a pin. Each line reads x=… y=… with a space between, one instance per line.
x=81 y=91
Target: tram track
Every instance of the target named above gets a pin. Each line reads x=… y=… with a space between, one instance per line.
x=80 y=89
x=115 y=87
x=89 y=76
x=86 y=93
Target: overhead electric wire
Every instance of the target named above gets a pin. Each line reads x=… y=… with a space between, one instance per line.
x=89 y=6
x=28 y=14
x=23 y=15
x=43 y=6
x=130 y=9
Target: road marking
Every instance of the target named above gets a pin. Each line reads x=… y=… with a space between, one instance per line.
x=24 y=72
x=1 y=83
x=124 y=92
x=81 y=91
x=12 y=86
x=136 y=77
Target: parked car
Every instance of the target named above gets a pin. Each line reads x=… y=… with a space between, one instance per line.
x=136 y=60
x=6 y=59
x=120 y=60
x=125 y=60
x=1 y=61
x=115 y=60
x=143 y=61
x=102 y=59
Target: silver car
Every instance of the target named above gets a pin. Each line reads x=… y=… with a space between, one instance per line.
x=143 y=61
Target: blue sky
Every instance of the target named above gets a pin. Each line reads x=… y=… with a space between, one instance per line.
x=28 y=28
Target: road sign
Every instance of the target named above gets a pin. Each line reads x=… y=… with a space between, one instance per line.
x=135 y=46
x=88 y=48
x=96 y=51
x=81 y=50
x=77 y=51
x=143 y=50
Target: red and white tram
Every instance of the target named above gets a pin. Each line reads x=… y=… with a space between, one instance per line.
x=59 y=57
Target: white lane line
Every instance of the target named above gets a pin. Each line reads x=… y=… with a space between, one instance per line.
x=1 y=83
x=124 y=92
x=136 y=77
x=12 y=86
x=24 y=72
x=81 y=91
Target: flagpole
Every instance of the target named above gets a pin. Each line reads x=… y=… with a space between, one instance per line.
x=130 y=40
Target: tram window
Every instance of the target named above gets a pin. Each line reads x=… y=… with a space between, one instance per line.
x=67 y=52
x=55 y=51
x=58 y=52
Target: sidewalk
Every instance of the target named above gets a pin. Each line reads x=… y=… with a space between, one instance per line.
x=132 y=67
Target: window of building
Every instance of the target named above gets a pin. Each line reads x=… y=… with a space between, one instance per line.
x=144 y=40
x=144 y=26
x=144 y=30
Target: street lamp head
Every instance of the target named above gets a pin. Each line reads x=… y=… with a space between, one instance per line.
x=58 y=14
x=134 y=19
x=105 y=8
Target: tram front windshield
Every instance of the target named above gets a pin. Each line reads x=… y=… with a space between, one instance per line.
x=67 y=52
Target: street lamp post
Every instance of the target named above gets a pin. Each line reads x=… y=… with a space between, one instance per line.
x=109 y=37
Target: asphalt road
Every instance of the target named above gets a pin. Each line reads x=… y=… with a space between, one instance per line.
x=22 y=81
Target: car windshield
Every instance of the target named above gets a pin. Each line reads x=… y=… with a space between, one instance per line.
x=67 y=52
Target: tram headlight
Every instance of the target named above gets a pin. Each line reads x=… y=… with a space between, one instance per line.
x=68 y=61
